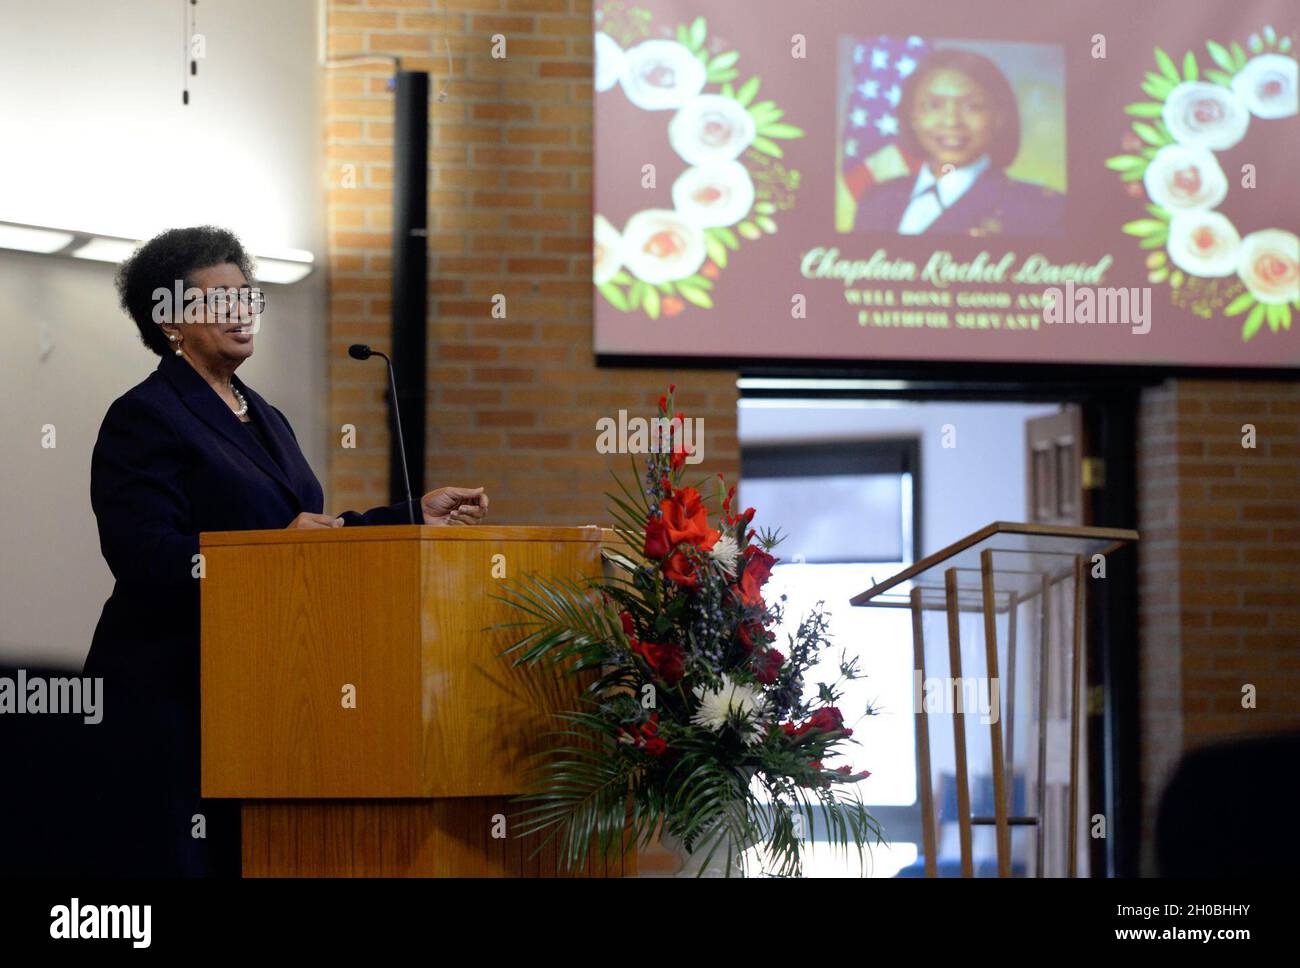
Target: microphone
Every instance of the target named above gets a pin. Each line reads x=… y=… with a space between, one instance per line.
x=360 y=351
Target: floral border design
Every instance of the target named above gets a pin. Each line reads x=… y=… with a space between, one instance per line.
x=1201 y=295
x=775 y=185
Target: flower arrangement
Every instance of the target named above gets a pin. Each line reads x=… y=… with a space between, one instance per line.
x=693 y=723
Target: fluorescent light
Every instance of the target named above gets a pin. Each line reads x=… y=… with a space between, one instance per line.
x=281 y=266
x=281 y=270
x=104 y=250
x=813 y=383
x=26 y=239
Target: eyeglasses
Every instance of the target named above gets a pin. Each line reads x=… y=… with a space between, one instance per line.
x=222 y=301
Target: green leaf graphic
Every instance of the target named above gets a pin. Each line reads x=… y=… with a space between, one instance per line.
x=1149 y=134
x=725 y=60
x=1220 y=55
x=1239 y=305
x=698 y=31
x=614 y=295
x=651 y=302
x=1145 y=226
x=1125 y=162
x=716 y=250
x=697 y=296
x=1166 y=65
x=1253 y=322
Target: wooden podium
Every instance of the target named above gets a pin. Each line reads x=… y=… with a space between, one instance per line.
x=353 y=700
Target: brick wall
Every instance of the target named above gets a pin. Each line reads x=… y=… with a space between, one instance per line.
x=1219 y=566
x=513 y=402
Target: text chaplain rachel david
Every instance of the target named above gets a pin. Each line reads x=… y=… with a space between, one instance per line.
x=190 y=449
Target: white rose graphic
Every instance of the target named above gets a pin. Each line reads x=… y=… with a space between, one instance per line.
x=659 y=75
x=1269 y=264
x=1181 y=179
x=1202 y=115
x=610 y=61
x=1203 y=244
x=607 y=251
x=714 y=195
x=661 y=246
x=711 y=128
x=1267 y=86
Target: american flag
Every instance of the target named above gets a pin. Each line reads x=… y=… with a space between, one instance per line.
x=871 y=122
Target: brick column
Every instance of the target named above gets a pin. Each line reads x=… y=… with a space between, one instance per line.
x=1219 y=567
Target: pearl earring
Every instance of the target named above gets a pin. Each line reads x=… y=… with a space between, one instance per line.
x=175 y=339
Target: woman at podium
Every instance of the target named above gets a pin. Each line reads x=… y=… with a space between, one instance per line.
x=192 y=448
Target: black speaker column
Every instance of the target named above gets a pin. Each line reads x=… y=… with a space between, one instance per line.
x=410 y=273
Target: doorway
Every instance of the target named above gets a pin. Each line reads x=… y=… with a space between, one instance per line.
x=863 y=487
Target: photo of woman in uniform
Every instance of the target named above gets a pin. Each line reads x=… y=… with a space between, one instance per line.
x=959 y=117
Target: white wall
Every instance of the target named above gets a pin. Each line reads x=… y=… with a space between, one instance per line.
x=963 y=488
x=96 y=139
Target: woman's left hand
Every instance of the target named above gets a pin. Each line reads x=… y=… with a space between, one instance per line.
x=454 y=505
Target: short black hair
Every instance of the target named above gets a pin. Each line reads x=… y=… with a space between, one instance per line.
x=166 y=258
x=981 y=70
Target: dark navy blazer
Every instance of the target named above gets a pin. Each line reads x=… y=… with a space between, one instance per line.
x=172 y=460
x=993 y=205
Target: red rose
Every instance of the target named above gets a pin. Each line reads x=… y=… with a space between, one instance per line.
x=758 y=568
x=687 y=519
x=657 y=544
x=626 y=619
x=747 y=634
x=825 y=720
x=768 y=666
x=667 y=661
x=680 y=569
x=655 y=746
x=828 y=719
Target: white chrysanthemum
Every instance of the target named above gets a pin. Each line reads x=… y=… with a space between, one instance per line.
x=726 y=553
x=1267 y=86
x=732 y=701
x=1202 y=115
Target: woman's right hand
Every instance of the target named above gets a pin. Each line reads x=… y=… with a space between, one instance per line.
x=309 y=520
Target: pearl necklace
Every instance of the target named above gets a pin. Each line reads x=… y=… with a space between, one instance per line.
x=243 y=404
